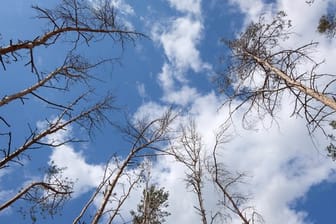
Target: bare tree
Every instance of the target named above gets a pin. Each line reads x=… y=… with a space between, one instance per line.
x=203 y=167
x=48 y=195
x=191 y=155
x=260 y=73
x=71 y=23
x=226 y=184
x=147 y=138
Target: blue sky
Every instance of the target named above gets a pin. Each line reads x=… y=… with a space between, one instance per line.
x=290 y=178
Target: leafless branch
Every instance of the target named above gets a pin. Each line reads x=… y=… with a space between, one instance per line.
x=79 y=17
x=90 y=117
x=190 y=153
x=48 y=195
x=260 y=73
x=146 y=136
x=225 y=182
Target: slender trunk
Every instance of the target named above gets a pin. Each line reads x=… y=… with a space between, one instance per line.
x=198 y=180
x=295 y=84
x=110 y=189
x=202 y=207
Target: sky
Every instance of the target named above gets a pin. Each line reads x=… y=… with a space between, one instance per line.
x=289 y=177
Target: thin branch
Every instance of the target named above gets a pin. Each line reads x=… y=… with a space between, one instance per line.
x=27 y=189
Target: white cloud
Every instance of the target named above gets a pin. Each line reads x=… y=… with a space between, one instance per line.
x=281 y=161
x=123 y=7
x=188 y=6
x=282 y=164
x=120 y=5
x=84 y=175
x=149 y=110
x=175 y=87
x=180 y=43
x=180 y=38
x=304 y=26
x=141 y=89
x=167 y=78
x=251 y=8
x=182 y=96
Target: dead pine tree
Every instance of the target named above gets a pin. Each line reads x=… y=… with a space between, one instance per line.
x=261 y=72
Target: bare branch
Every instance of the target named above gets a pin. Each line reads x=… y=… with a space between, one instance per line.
x=260 y=73
x=25 y=190
x=191 y=154
x=224 y=181
x=91 y=116
x=149 y=135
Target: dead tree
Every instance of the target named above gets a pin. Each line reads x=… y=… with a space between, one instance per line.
x=190 y=153
x=70 y=23
x=48 y=195
x=226 y=183
x=203 y=167
x=147 y=139
x=261 y=72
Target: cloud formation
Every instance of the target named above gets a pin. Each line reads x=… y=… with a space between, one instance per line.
x=85 y=176
x=282 y=162
x=179 y=39
x=179 y=43
x=187 y=6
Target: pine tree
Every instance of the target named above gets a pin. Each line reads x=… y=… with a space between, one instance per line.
x=327 y=25
x=152 y=207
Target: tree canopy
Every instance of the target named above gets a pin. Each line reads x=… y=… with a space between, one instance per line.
x=152 y=207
